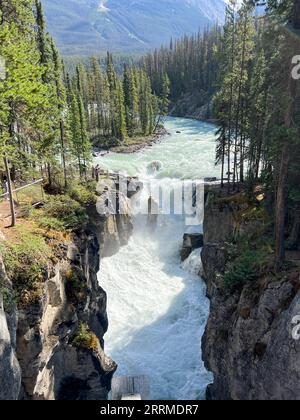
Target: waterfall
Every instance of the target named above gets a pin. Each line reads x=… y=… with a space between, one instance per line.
x=157 y=307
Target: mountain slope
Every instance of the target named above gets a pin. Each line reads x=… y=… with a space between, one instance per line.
x=89 y=26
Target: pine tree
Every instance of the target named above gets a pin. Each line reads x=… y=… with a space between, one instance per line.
x=244 y=49
x=224 y=103
x=41 y=36
x=23 y=95
x=61 y=103
x=75 y=125
x=121 y=129
x=165 y=102
x=131 y=100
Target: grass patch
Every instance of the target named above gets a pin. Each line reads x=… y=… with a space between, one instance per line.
x=26 y=257
x=85 y=339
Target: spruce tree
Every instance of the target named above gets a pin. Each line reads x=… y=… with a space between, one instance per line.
x=61 y=103
x=131 y=100
x=23 y=96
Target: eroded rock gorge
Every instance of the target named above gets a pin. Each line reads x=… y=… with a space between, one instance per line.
x=248 y=343
x=38 y=358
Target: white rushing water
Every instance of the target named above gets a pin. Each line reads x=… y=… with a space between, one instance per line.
x=157 y=307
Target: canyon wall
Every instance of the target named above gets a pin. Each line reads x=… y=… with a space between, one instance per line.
x=52 y=348
x=10 y=372
x=248 y=342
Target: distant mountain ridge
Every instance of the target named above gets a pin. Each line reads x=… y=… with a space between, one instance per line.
x=84 y=27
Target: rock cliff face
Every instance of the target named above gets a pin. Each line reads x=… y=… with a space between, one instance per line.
x=194 y=105
x=248 y=343
x=10 y=372
x=38 y=357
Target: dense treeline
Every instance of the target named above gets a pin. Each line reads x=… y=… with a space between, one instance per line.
x=116 y=108
x=257 y=106
x=191 y=65
x=71 y=62
x=36 y=115
x=49 y=118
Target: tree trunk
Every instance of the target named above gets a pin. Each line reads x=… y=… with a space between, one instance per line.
x=10 y=193
x=231 y=103
x=242 y=160
x=280 y=209
x=62 y=139
x=239 y=105
x=49 y=174
x=293 y=240
x=223 y=162
x=296 y=19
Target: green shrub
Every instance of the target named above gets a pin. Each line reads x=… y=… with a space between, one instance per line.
x=9 y=299
x=51 y=223
x=83 y=195
x=84 y=338
x=91 y=186
x=248 y=262
x=76 y=287
x=254 y=213
x=66 y=210
x=244 y=269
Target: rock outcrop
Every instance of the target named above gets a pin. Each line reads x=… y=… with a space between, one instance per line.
x=248 y=343
x=194 y=105
x=191 y=241
x=52 y=367
x=10 y=372
x=40 y=358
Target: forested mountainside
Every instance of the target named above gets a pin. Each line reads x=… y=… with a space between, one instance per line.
x=192 y=66
x=85 y=27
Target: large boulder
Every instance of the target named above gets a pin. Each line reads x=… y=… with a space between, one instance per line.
x=191 y=241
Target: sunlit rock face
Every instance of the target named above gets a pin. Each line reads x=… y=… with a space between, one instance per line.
x=10 y=372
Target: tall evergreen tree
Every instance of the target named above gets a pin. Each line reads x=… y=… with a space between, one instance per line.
x=61 y=103
x=22 y=92
x=131 y=100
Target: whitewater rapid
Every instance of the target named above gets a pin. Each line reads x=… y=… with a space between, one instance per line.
x=157 y=307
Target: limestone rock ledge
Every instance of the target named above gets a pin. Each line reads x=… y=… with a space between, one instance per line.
x=248 y=342
x=10 y=372
x=38 y=358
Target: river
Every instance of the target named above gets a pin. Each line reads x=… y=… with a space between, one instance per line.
x=157 y=307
